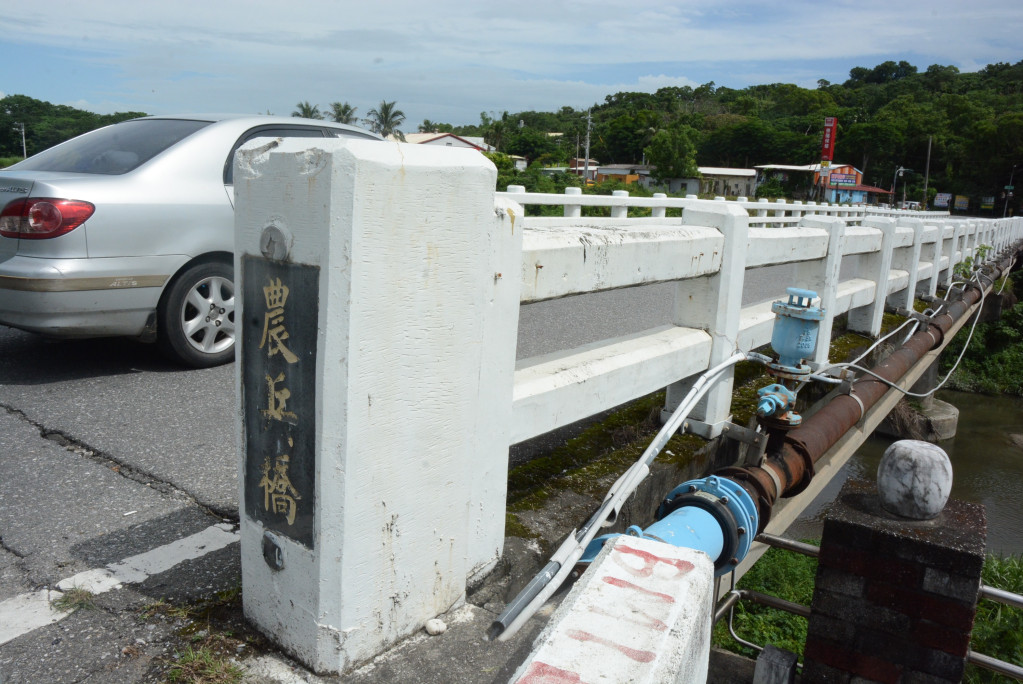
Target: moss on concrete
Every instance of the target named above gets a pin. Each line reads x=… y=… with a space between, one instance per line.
x=621 y=428
x=845 y=347
x=513 y=527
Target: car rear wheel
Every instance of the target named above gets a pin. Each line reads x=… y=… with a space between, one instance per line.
x=195 y=319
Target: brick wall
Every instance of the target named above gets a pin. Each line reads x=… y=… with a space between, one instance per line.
x=894 y=599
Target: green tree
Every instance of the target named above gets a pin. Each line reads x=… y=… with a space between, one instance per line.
x=673 y=152
x=342 y=112
x=530 y=143
x=307 y=111
x=386 y=119
x=494 y=129
x=863 y=143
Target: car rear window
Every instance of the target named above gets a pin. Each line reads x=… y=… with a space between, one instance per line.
x=113 y=150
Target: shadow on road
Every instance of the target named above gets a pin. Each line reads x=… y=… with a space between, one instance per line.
x=30 y=359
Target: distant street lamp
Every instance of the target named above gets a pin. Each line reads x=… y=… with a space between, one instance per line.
x=21 y=127
x=899 y=172
x=1008 y=190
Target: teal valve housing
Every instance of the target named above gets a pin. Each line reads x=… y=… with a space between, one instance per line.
x=795 y=331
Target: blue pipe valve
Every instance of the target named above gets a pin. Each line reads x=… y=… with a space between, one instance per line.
x=794 y=337
x=777 y=401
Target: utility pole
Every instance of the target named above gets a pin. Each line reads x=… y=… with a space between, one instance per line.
x=586 y=164
x=21 y=127
x=927 y=171
x=1008 y=190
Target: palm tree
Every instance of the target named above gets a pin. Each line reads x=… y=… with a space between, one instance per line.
x=427 y=126
x=342 y=112
x=307 y=111
x=386 y=120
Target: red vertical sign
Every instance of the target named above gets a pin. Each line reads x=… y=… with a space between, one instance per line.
x=828 y=143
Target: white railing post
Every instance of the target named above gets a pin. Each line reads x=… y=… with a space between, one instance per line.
x=932 y=282
x=715 y=305
x=908 y=259
x=823 y=278
x=573 y=210
x=974 y=242
x=659 y=211
x=379 y=286
x=619 y=211
x=957 y=252
x=874 y=266
x=781 y=210
x=761 y=213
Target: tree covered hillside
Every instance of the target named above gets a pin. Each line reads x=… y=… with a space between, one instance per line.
x=886 y=115
x=46 y=124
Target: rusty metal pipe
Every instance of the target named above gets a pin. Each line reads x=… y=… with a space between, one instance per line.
x=788 y=471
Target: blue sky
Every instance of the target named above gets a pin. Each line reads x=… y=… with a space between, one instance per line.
x=449 y=60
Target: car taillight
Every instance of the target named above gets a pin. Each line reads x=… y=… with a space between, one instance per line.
x=38 y=218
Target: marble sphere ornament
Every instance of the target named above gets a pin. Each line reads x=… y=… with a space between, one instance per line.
x=914 y=479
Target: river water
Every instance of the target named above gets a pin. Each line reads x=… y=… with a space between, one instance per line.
x=987 y=468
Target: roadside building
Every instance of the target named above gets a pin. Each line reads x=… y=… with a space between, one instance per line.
x=837 y=184
x=448 y=140
x=716 y=180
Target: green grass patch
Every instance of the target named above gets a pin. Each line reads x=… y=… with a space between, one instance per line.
x=73 y=600
x=206 y=662
x=998 y=629
x=779 y=573
x=993 y=363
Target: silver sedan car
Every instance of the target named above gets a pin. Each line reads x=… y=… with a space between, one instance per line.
x=129 y=230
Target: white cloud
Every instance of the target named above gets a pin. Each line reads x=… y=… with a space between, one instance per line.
x=460 y=58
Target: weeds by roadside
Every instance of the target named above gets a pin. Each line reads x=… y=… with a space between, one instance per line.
x=206 y=662
x=213 y=637
x=73 y=600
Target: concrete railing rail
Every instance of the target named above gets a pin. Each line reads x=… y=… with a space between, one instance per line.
x=762 y=212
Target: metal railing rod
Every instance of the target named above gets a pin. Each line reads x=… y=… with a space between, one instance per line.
x=735 y=595
x=775 y=602
x=1002 y=596
x=789 y=544
x=995 y=665
x=730 y=599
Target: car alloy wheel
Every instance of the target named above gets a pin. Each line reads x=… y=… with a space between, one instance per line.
x=196 y=317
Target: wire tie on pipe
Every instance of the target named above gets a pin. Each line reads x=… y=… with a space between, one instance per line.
x=859 y=403
x=775 y=478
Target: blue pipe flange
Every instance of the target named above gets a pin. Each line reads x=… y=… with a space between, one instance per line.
x=731 y=513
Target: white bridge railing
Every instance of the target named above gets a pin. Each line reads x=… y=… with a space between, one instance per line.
x=707 y=251
x=762 y=212
x=393 y=275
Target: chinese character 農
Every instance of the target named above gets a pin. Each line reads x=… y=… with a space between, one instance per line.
x=274 y=332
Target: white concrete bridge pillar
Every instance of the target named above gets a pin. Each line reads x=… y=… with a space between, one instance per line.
x=379 y=293
x=713 y=303
x=874 y=266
